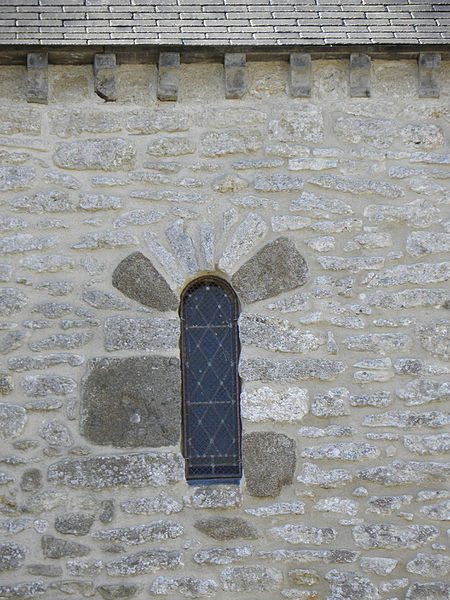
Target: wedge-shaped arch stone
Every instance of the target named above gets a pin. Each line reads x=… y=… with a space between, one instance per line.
x=269 y=462
x=136 y=277
x=276 y=268
x=132 y=402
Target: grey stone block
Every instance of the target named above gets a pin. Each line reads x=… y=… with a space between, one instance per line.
x=74 y=523
x=429 y=71
x=37 y=77
x=168 y=63
x=132 y=402
x=235 y=75
x=227 y=528
x=359 y=75
x=55 y=548
x=300 y=75
x=105 y=76
x=269 y=462
x=276 y=268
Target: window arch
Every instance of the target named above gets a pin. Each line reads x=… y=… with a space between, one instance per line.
x=209 y=311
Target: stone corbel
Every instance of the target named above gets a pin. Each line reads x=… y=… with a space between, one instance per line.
x=37 y=77
x=168 y=64
x=105 y=76
x=429 y=67
x=300 y=75
x=359 y=75
x=235 y=75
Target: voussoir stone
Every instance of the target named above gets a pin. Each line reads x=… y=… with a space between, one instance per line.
x=120 y=470
x=250 y=578
x=269 y=462
x=96 y=153
x=276 y=268
x=227 y=528
x=136 y=277
x=132 y=402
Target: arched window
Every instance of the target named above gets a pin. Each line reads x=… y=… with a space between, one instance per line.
x=209 y=311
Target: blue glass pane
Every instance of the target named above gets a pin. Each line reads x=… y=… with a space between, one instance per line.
x=210 y=352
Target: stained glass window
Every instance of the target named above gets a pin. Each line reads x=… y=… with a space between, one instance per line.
x=209 y=360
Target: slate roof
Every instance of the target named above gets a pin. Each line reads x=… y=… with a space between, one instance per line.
x=224 y=22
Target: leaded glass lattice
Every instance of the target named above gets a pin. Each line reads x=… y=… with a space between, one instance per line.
x=209 y=360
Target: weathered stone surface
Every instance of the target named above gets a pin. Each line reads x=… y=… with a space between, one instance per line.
x=302 y=125
x=419 y=273
x=422 y=136
x=80 y=567
x=386 y=505
x=12 y=556
x=12 y=420
x=427 y=444
x=420 y=242
x=149 y=121
x=53 y=201
x=52 y=310
x=74 y=523
x=51 y=263
x=189 y=587
x=152 y=333
x=28 y=363
x=11 y=301
x=121 y=591
x=251 y=578
x=140 y=534
x=73 y=122
x=308 y=556
x=136 y=277
x=408 y=298
x=41 y=385
x=436 y=590
x=15 y=178
x=22 y=590
x=357 y=186
x=422 y=390
x=312 y=475
x=104 y=300
x=406 y=419
x=45 y=570
x=132 y=402
x=437 y=512
x=105 y=239
x=122 y=470
x=275 y=334
x=218 y=496
x=268 y=404
x=435 y=337
x=331 y=430
x=269 y=462
x=182 y=246
x=332 y=404
x=107 y=155
x=62 y=341
x=24 y=242
x=31 y=480
x=95 y=202
x=429 y=565
x=143 y=562
x=349 y=451
x=12 y=340
x=378 y=343
x=353 y=264
x=376 y=132
x=400 y=472
x=171 y=146
x=277 y=183
x=335 y=504
x=233 y=141
x=252 y=229
x=227 y=528
x=55 y=548
x=299 y=533
x=347 y=585
x=44 y=501
x=138 y=216
x=378 y=565
x=56 y=434
x=266 y=369
x=151 y=504
x=276 y=268
x=222 y=556
x=384 y=535
x=319 y=207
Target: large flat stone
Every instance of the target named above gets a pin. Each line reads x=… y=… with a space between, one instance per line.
x=269 y=462
x=143 y=562
x=120 y=470
x=136 y=277
x=151 y=333
x=96 y=153
x=132 y=402
x=291 y=369
x=276 y=268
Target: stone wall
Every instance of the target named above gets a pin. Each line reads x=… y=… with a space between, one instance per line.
x=108 y=210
